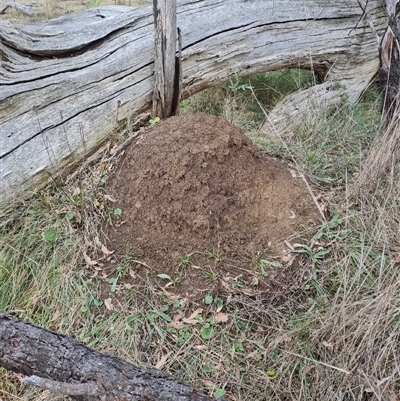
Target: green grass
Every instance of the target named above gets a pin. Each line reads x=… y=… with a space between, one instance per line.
x=234 y=100
x=334 y=333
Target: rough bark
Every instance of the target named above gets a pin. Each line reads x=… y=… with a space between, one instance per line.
x=66 y=83
x=389 y=73
x=65 y=366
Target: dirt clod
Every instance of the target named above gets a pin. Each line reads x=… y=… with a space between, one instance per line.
x=202 y=204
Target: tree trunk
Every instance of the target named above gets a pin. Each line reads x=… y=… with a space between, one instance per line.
x=65 y=366
x=66 y=83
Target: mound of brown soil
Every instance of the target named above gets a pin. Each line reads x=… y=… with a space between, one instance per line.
x=201 y=203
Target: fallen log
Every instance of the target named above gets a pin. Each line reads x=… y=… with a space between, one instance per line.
x=68 y=82
x=64 y=366
x=24 y=8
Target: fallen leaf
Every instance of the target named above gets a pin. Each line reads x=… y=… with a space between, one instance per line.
x=108 y=304
x=97 y=242
x=106 y=251
x=286 y=258
x=162 y=361
x=191 y=319
x=252 y=354
x=220 y=318
x=254 y=281
x=327 y=345
x=89 y=261
x=309 y=368
x=110 y=198
x=246 y=292
x=289 y=245
x=171 y=297
x=177 y=325
x=208 y=383
x=176 y=322
x=55 y=316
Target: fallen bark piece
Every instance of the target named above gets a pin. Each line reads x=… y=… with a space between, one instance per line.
x=64 y=366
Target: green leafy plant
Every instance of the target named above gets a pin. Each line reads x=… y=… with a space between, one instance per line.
x=208 y=368
x=315 y=255
x=113 y=281
x=154 y=120
x=184 y=336
x=50 y=235
x=235 y=84
x=91 y=301
x=219 y=393
x=207 y=331
x=208 y=300
x=117 y=212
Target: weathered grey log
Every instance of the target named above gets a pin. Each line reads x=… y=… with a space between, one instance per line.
x=66 y=83
x=24 y=8
x=65 y=366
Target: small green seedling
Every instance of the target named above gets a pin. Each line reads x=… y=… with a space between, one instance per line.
x=214 y=255
x=113 y=281
x=50 y=235
x=186 y=259
x=220 y=393
x=117 y=211
x=154 y=121
x=207 y=331
x=314 y=255
x=208 y=299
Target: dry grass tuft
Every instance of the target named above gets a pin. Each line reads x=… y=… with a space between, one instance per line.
x=383 y=161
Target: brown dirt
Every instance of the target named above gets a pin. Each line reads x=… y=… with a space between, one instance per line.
x=196 y=185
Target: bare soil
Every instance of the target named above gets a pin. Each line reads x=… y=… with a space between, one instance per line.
x=204 y=205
